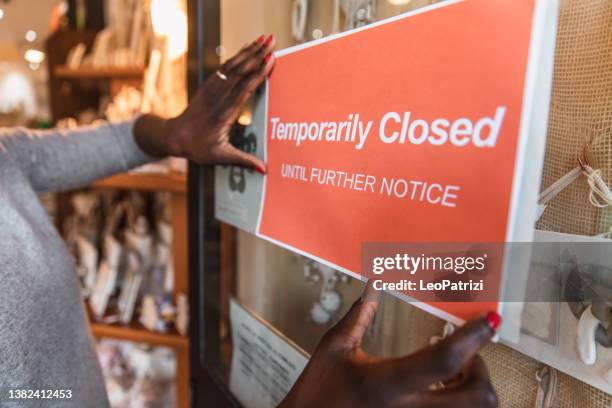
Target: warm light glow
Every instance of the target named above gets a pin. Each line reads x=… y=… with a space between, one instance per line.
x=30 y=36
x=1 y=14
x=245 y=119
x=34 y=56
x=171 y=22
x=399 y=2
x=16 y=92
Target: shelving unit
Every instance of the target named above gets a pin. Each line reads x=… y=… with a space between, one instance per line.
x=110 y=80
x=140 y=335
x=176 y=184
x=106 y=73
x=75 y=90
x=173 y=182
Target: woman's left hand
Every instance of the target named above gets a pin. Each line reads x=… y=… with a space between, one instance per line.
x=447 y=374
x=201 y=132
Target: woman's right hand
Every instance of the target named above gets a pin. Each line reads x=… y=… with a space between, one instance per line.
x=201 y=132
x=447 y=374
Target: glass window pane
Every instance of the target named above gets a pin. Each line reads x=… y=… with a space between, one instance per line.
x=301 y=298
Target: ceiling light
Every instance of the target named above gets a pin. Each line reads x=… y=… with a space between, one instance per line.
x=171 y=22
x=34 y=56
x=30 y=36
x=63 y=7
x=399 y=2
x=245 y=119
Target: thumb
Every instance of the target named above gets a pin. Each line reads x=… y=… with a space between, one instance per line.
x=349 y=331
x=231 y=155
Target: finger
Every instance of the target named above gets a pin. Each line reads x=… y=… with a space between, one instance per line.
x=222 y=87
x=475 y=391
x=241 y=93
x=241 y=55
x=247 y=86
x=348 y=332
x=254 y=60
x=230 y=155
x=438 y=363
x=476 y=372
x=250 y=61
x=229 y=65
x=370 y=293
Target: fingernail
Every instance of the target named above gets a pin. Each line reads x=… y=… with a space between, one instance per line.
x=269 y=39
x=260 y=170
x=493 y=320
x=260 y=39
x=267 y=58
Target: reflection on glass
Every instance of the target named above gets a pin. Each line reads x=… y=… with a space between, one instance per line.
x=299 y=297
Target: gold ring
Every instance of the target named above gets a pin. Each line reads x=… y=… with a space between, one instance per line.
x=221 y=75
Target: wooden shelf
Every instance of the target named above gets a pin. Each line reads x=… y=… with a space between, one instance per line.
x=71 y=92
x=139 y=335
x=173 y=182
x=99 y=73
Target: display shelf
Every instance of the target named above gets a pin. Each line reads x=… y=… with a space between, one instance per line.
x=73 y=91
x=135 y=332
x=99 y=73
x=139 y=334
x=173 y=182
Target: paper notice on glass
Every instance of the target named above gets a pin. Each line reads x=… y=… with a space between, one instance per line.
x=370 y=136
x=265 y=365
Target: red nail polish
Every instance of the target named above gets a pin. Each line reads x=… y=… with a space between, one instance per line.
x=493 y=320
x=260 y=170
x=269 y=39
x=260 y=39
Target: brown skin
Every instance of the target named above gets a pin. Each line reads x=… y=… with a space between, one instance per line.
x=201 y=132
x=340 y=373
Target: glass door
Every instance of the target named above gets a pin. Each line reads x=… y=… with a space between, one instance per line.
x=238 y=279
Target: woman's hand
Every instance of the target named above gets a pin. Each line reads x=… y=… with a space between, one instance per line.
x=201 y=132
x=340 y=374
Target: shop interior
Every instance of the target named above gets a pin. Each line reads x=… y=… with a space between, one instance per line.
x=77 y=63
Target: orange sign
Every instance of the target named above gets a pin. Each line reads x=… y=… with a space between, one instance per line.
x=408 y=130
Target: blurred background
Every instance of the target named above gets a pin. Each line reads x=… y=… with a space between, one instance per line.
x=81 y=62
x=23 y=91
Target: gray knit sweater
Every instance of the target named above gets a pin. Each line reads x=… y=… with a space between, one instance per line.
x=44 y=340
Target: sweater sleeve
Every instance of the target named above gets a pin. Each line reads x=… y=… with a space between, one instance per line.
x=55 y=160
